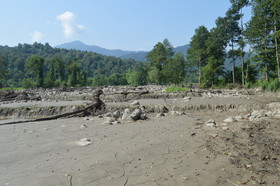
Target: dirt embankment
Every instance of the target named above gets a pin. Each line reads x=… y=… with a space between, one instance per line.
x=36 y=103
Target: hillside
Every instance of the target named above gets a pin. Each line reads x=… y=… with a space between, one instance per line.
x=93 y=63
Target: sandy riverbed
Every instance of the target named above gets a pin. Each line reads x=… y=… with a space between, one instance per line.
x=173 y=150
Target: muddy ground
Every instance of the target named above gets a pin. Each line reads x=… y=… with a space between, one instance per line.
x=191 y=145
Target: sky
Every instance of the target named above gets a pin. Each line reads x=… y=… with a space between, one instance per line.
x=113 y=24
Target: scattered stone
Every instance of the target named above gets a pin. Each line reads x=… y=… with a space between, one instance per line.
x=116 y=122
x=187 y=98
x=83 y=126
x=109 y=114
x=165 y=110
x=84 y=142
x=230 y=119
x=86 y=118
x=211 y=123
x=176 y=113
x=160 y=115
x=117 y=114
x=135 y=115
x=238 y=118
x=255 y=115
x=135 y=103
x=109 y=121
x=126 y=114
x=225 y=128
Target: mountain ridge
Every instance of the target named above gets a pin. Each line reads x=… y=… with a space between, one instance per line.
x=124 y=54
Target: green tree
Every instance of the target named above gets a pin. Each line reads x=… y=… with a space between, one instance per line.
x=2 y=71
x=138 y=76
x=34 y=66
x=216 y=44
x=158 y=57
x=99 y=80
x=196 y=54
x=259 y=33
x=174 y=70
x=73 y=70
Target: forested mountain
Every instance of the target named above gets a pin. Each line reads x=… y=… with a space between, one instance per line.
x=78 y=45
x=136 y=55
x=90 y=63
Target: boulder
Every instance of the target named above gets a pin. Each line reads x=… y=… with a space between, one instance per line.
x=126 y=115
x=117 y=114
x=136 y=114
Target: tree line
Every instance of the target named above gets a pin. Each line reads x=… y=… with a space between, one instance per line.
x=229 y=38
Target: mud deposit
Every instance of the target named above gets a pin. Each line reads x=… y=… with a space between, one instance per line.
x=193 y=138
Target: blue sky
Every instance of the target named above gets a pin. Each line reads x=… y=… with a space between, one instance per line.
x=113 y=24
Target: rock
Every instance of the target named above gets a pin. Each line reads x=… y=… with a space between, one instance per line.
x=135 y=115
x=211 y=123
x=109 y=115
x=143 y=116
x=160 y=115
x=117 y=114
x=116 y=122
x=126 y=115
x=84 y=142
x=187 y=98
x=83 y=126
x=238 y=118
x=165 y=110
x=135 y=103
x=230 y=119
x=257 y=114
x=175 y=113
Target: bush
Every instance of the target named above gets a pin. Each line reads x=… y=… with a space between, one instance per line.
x=272 y=85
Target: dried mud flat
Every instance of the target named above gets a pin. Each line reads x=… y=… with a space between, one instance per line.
x=188 y=149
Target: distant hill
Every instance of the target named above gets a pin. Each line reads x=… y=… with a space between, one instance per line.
x=78 y=45
x=136 y=55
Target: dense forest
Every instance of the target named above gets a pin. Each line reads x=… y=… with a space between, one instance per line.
x=254 y=43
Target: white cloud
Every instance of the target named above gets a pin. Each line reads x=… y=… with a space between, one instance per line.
x=69 y=25
x=37 y=36
x=81 y=27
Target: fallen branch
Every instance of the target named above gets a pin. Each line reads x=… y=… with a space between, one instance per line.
x=97 y=105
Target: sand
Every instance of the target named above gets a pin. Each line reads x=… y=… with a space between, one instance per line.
x=171 y=150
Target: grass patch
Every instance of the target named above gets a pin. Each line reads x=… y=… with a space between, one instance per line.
x=176 y=89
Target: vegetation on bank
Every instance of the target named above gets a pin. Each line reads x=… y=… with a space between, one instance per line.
x=41 y=65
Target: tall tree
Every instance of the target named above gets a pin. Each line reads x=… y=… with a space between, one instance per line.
x=236 y=34
x=233 y=32
x=34 y=66
x=259 y=33
x=197 y=51
x=174 y=70
x=216 y=44
x=159 y=57
x=276 y=32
